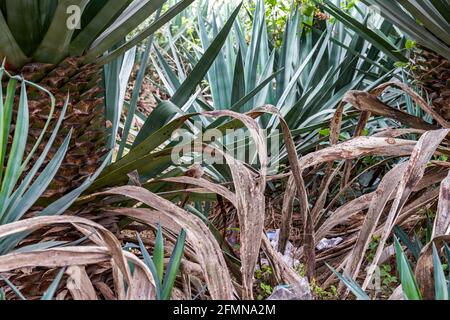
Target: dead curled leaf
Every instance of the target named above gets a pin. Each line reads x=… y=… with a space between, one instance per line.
x=442 y=220
x=425 y=267
x=358 y=205
x=416 y=98
x=359 y=147
x=440 y=235
x=249 y=198
x=208 y=251
x=107 y=249
x=282 y=271
x=79 y=284
x=109 y=240
x=413 y=173
x=354 y=148
x=299 y=190
x=398 y=185
x=384 y=193
x=365 y=101
x=208 y=185
x=54 y=258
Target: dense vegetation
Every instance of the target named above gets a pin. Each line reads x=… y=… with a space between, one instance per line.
x=343 y=115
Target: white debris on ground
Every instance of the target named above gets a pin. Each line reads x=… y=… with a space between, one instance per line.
x=289 y=253
x=328 y=243
x=299 y=291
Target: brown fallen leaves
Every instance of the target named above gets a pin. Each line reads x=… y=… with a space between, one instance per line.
x=398 y=199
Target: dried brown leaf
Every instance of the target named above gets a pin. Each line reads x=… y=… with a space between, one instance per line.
x=417 y=99
x=442 y=221
x=413 y=173
x=108 y=238
x=205 y=245
x=79 y=284
x=208 y=185
x=367 y=102
x=297 y=177
x=384 y=193
x=425 y=267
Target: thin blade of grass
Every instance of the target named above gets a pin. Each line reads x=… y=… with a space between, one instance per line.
x=50 y=293
x=174 y=266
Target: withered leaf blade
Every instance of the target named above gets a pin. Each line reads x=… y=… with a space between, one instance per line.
x=413 y=173
x=442 y=220
x=367 y=102
x=206 y=247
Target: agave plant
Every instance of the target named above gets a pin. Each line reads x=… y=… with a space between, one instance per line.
x=165 y=281
x=17 y=198
x=149 y=159
x=377 y=104
x=320 y=73
x=60 y=45
x=157 y=129
x=305 y=78
x=427 y=23
x=25 y=173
